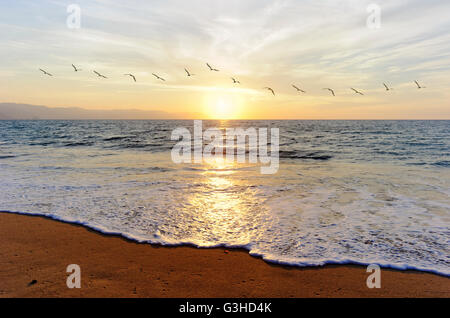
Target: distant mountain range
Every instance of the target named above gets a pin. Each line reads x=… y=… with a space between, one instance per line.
x=25 y=111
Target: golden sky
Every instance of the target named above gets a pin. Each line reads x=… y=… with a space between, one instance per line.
x=311 y=44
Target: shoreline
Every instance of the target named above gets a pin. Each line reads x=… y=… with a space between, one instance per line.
x=223 y=247
x=36 y=247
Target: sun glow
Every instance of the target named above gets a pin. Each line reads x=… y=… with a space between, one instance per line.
x=223 y=107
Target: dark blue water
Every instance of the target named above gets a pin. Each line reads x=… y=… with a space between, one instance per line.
x=404 y=142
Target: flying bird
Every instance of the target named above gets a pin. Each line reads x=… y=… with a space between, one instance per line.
x=131 y=75
x=268 y=88
x=99 y=75
x=332 y=91
x=211 y=68
x=45 y=73
x=298 y=89
x=418 y=85
x=356 y=91
x=75 y=68
x=188 y=73
x=235 y=81
x=158 y=77
x=387 y=88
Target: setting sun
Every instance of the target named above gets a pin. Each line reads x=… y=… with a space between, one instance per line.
x=223 y=107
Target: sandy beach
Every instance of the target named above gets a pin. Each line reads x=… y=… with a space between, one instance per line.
x=36 y=248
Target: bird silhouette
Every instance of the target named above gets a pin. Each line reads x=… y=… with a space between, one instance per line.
x=45 y=73
x=268 y=88
x=211 y=68
x=356 y=91
x=188 y=73
x=131 y=75
x=298 y=89
x=235 y=81
x=99 y=75
x=332 y=91
x=75 y=68
x=158 y=77
x=387 y=88
x=418 y=85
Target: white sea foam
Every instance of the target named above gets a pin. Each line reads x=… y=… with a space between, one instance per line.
x=309 y=214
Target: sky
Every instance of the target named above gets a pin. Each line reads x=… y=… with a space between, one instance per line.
x=311 y=44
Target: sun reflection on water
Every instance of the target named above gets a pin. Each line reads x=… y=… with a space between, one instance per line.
x=224 y=204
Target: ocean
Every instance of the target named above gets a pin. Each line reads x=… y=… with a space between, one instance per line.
x=346 y=192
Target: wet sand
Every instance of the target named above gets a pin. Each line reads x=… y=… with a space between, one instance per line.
x=38 y=249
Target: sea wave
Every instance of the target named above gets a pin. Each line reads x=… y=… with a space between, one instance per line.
x=304 y=155
x=274 y=259
x=344 y=191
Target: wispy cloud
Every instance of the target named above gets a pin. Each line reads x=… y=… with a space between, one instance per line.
x=276 y=43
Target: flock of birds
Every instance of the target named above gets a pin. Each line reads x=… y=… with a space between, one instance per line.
x=235 y=81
